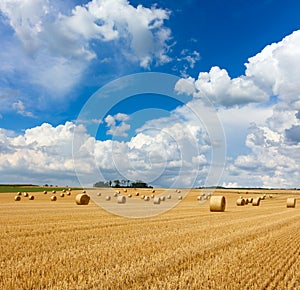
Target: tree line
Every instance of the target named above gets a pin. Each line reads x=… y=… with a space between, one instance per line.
x=122 y=183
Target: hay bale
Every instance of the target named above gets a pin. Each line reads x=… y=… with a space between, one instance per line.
x=115 y=194
x=129 y=195
x=256 y=201
x=162 y=198
x=70 y=189
x=240 y=202
x=107 y=198
x=146 y=198
x=25 y=194
x=217 y=203
x=156 y=200
x=246 y=200
x=121 y=199
x=83 y=191
x=31 y=197
x=64 y=190
x=19 y=193
x=291 y=202
x=45 y=192
x=125 y=190
x=180 y=197
x=118 y=192
x=62 y=195
x=17 y=198
x=82 y=199
x=199 y=197
x=99 y=194
x=169 y=196
x=153 y=190
x=137 y=193
x=250 y=199
x=68 y=193
x=270 y=196
x=53 y=198
x=152 y=195
x=143 y=196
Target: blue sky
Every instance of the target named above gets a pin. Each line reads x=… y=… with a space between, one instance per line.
x=241 y=56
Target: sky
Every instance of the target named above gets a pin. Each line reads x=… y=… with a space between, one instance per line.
x=174 y=93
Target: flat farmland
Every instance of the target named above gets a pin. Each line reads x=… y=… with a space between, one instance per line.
x=60 y=245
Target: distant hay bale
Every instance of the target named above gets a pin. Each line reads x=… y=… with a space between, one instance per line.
x=256 y=201
x=199 y=197
x=118 y=192
x=53 y=198
x=250 y=199
x=62 y=195
x=217 y=203
x=64 y=190
x=108 y=198
x=146 y=198
x=99 y=194
x=19 y=193
x=115 y=194
x=25 y=194
x=153 y=190
x=152 y=195
x=156 y=200
x=291 y=202
x=129 y=195
x=143 y=196
x=169 y=196
x=162 y=198
x=83 y=191
x=82 y=199
x=17 y=198
x=70 y=189
x=246 y=200
x=53 y=191
x=270 y=196
x=125 y=190
x=240 y=202
x=137 y=193
x=68 y=193
x=45 y=192
x=31 y=197
x=121 y=199
x=180 y=197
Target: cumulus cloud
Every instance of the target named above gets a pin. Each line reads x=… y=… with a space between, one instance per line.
x=20 y=109
x=57 y=46
x=117 y=125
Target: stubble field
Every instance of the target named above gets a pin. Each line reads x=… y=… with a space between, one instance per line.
x=60 y=245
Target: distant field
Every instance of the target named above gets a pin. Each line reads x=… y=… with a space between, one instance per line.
x=17 y=188
x=60 y=245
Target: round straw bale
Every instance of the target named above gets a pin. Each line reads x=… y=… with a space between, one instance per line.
x=115 y=194
x=82 y=199
x=217 y=203
x=256 y=201
x=249 y=199
x=246 y=200
x=156 y=200
x=70 y=189
x=152 y=195
x=146 y=198
x=69 y=193
x=31 y=197
x=137 y=193
x=17 y=198
x=19 y=193
x=169 y=196
x=143 y=196
x=129 y=195
x=108 y=198
x=99 y=194
x=180 y=197
x=53 y=191
x=62 y=195
x=45 y=192
x=291 y=202
x=83 y=191
x=162 y=198
x=199 y=197
x=153 y=190
x=121 y=199
x=270 y=196
x=53 y=198
x=118 y=192
x=240 y=202
x=25 y=194
x=64 y=190
x=125 y=190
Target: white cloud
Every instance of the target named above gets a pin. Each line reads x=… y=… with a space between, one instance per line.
x=20 y=109
x=117 y=125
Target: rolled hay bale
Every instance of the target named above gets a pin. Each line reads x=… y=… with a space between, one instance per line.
x=152 y=195
x=153 y=190
x=246 y=200
x=115 y=194
x=31 y=197
x=69 y=193
x=82 y=199
x=17 y=198
x=162 y=198
x=25 y=194
x=169 y=196
x=179 y=197
x=64 y=190
x=250 y=199
x=125 y=190
x=291 y=202
x=143 y=196
x=130 y=195
x=137 y=193
x=53 y=191
x=107 y=198
x=53 y=198
x=62 y=195
x=83 y=191
x=19 y=193
x=240 y=202
x=118 y=192
x=262 y=197
x=156 y=200
x=146 y=198
x=199 y=197
x=45 y=192
x=69 y=189
x=99 y=194
x=217 y=203
x=256 y=201
x=270 y=196
x=121 y=199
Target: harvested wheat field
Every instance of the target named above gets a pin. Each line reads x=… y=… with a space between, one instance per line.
x=61 y=245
